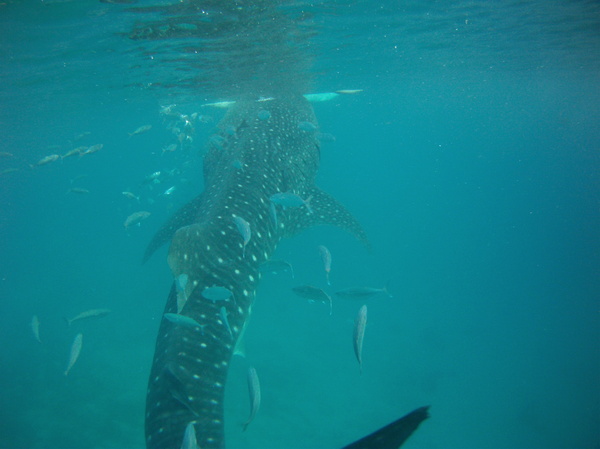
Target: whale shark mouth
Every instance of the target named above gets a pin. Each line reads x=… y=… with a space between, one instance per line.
x=257 y=155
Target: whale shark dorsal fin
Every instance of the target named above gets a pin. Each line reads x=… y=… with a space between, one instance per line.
x=394 y=434
x=325 y=210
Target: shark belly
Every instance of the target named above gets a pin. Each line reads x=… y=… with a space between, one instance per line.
x=259 y=157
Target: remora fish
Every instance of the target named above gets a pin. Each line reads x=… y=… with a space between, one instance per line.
x=93 y=313
x=254 y=391
x=278 y=157
x=359 y=334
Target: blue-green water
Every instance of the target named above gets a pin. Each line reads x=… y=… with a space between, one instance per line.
x=472 y=158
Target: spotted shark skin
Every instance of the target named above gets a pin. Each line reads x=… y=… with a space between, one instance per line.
x=255 y=159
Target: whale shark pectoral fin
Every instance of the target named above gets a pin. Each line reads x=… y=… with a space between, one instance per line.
x=325 y=210
x=394 y=434
x=185 y=216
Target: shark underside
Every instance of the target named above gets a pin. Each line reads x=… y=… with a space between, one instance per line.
x=254 y=158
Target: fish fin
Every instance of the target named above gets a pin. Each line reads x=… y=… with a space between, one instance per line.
x=394 y=434
x=185 y=216
x=324 y=209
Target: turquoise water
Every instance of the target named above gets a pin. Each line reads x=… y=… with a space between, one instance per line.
x=471 y=157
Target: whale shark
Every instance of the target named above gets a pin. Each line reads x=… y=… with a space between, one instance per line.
x=256 y=156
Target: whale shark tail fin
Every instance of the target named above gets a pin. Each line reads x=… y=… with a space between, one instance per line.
x=394 y=434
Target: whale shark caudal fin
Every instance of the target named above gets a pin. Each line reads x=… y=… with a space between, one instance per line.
x=394 y=434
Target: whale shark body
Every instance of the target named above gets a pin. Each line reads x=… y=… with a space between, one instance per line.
x=257 y=156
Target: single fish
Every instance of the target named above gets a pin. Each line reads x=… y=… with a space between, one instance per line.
x=75 y=351
x=131 y=196
x=169 y=148
x=9 y=170
x=82 y=135
x=170 y=190
x=362 y=292
x=217 y=293
x=93 y=149
x=184 y=321
x=47 y=160
x=140 y=130
x=223 y=314
x=74 y=152
x=181 y=283
x=277 y=266
x=6 y=154
x=79 y=190
x=189 y=437
x=326 y=258
x=244 y=229
x=313 y=294
x=92 y=313
x=136 y=218
x=290 y=199
x=254 y=391
x=359 y=334
x=35 y=327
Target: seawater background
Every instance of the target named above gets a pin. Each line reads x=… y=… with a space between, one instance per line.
x=476 y=179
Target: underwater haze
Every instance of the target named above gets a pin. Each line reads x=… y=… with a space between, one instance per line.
x=464 y=137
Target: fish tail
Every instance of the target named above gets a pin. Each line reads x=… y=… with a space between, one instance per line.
x=68 y=321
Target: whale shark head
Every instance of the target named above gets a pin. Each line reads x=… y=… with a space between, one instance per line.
x=264 y=148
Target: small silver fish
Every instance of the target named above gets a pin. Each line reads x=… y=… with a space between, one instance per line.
x=217 y=293
x=136 y=218
x=169 y=148
x=313 y=294
x=223 y=315
x=47 y=160
x=140 y=130
x=244 y=229
x=180 y=285
x=93 y=149
x=290 y=199
x=74 y=152
x=92 y=313
x=359 y=333
x=184 y=321
x=254 y=391
x=131 y=196
x=362 y=292
x=35 y=327
x=79 y=190
x=75 y=351
x=169 y=191
x=189 y=437
x=326 y=258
